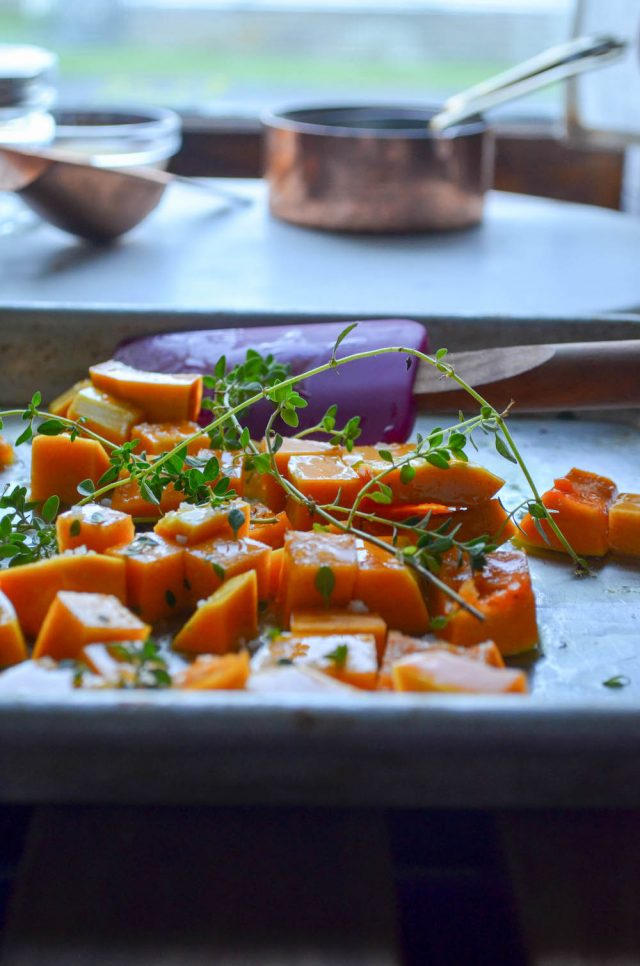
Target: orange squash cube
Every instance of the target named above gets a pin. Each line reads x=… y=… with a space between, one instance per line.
x=32 y=587
x=624 y=524
x=439 y=671
x=313 y=562
x=94 y=527
x=300 y=516
x=60 y=405
x=390 y=589
x=265 y=487
x=158 y=438
x=109 y=417
x=581 y=501
x=324 y=479
x=225 y=621
x=128 y=499
x=231 y=466
x=76 y=619
x=460 y=485
x=59 y=463
x=6 y=452
x=191 y=524
x=350 y=658
x=266 y=526
x=277 y=559
x=228 y=672
x=400 y=645
x=13 y=649
x=209 y=564
x=502 y=592
x=322 y=622
x=164 y=397
x=155 y=576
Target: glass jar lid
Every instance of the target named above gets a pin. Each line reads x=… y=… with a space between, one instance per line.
x=27 y=77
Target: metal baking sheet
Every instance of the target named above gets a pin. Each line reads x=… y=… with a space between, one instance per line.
x=572 y=742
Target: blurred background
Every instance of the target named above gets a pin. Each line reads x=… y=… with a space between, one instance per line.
x=237 y=56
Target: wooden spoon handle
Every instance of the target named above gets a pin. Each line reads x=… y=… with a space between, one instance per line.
x=574 y=375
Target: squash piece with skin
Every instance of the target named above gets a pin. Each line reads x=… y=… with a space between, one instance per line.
x=207 y=565
x=351 y=658
x=157 y=438
x=580 y=502
x=503 y=594
x=439 y=671
x=624 y=524
x=460 y=485
x=93 y=526
x=109 y=417
x=215 y=672
x=13 y=649
x=330 y=621
x=164 y=397
x=77 y=619
x=318 y=570
x=59 y=464
x=60 y=405
x=155 y=576
x=31 y=588
x=225 y=621
x=191 y=524
x=488 y=519
x=400 y=645
x=389 y=588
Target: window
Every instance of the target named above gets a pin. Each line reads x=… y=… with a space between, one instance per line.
x=237 y=56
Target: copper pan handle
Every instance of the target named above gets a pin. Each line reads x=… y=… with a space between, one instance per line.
x=552 y=65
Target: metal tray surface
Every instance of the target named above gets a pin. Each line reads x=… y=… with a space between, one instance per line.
x=572 y=743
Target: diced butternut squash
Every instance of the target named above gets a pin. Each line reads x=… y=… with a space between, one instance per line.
x=32 y=587
x=390 y=589
x=332 y=621
x=277 y=559
x=225 y=621
x=94 y=527
x=190 y=524
x=581 y=501
x=105 y=415
x=324 y=479
x=6 y=452
x=59 y=463
x=127 y=498
x=76 y=619
x=488 y=519
x=300 y=447
x=155 y=576
x=231 y=466
x=318 y=569
x=350 y=658
x=400 y=645
x=503 y=594
x=13 y=649
x=266 y=526
x=228 y=672
x=460 y=485
x=157 y=438
x=299 y=515
x=297 y=679
x=440 y=671
x=265 y=487
x=60 y=405
x=624 y=524
x=209 y=564
x=164 y=397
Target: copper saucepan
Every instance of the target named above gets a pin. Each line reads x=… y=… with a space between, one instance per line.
x=382 y=168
